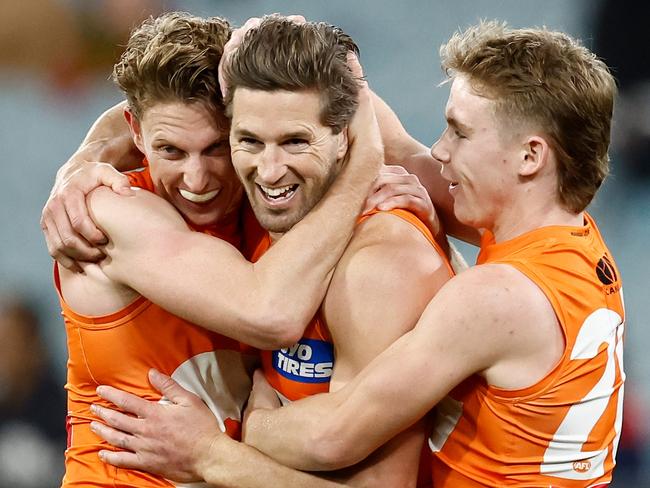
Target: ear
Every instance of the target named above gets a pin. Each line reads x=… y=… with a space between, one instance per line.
x=534 y=156
x=135 y=128
x=343 y=143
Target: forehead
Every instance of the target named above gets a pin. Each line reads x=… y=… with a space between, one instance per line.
x=277 y=111
x=184 y=120
x=466 y=106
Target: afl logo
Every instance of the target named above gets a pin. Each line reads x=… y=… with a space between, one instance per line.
x=582 y=466
x=605 y=271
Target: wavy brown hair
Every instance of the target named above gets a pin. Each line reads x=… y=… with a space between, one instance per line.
x=282 y=55
x=173 y=57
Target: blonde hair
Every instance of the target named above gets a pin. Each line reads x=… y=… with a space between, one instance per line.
x=173 y=57
x=550 y=80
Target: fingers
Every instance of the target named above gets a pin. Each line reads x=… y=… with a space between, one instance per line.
x=230 y=47
x=54 y=244
x=70 y=232
x=113 y=436
x=297 y=19
x=170 y=388
x=258 y=376
x=356 y=68
x=121 y=459
x=58 y=224
x=127 y=425
x=81 y=224
x=262 y=395
x=395 y=181
x=124 y=401
x=119 y=183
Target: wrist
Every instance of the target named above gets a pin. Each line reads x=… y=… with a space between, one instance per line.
x=212 y=456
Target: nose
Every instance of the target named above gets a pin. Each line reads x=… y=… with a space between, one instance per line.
x=271 y=167
x=196 y=175
x=439 y=152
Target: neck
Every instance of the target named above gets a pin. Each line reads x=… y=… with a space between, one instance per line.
x=534 y=217
x=275 y=236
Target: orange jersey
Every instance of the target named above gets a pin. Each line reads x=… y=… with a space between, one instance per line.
x=305 y=368
x=562 y=431
x=228 y=228
x=119 y=349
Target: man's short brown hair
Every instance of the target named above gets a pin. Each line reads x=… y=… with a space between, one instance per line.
x=282 y=55
x=548 y=79
x=170 y=58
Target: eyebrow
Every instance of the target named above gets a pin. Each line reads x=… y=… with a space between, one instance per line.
x=297 y=134
x=244 y=133
x=458 y=125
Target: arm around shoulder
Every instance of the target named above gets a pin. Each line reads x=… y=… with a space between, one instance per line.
x=451 y=341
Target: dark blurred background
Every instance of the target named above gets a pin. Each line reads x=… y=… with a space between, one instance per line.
x=55 y=59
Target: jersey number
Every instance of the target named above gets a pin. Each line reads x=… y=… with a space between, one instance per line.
x=564 y=457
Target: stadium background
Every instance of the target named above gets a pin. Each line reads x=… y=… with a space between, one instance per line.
x=55 y=60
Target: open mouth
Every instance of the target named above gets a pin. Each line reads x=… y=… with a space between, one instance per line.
x=278 y=194
x=198 y=197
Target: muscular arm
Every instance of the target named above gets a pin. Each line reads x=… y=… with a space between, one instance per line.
x=467 y=328
x=207 y=281
x=70 y=234
x=181 y=441
x=400 y=148
x=379 y=289
x=246 y=467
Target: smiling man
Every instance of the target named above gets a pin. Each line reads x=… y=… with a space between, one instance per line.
x=291 y=100
x=172 y=251
x=521 y=355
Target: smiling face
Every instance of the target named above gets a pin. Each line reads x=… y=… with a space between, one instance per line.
x=189 y=159
x=284 y=155
x=479 y=156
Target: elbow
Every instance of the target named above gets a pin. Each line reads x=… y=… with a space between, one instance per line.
x=332 y=448
x=274 y=330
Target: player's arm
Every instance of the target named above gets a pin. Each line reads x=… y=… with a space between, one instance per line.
x=69 y=231
x=205 y=280
x=379 y=290
x=164 y=440
x=384 y=280
x=486 y=320
x=402 y=149
x=246 y=467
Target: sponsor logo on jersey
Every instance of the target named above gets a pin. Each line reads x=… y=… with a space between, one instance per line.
x=307 y=361
x=605 y=271
x=607 y=275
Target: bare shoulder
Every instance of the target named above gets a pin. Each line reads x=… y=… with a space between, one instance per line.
x=113 y=212
x=507 y=319
x=386 y=230
x=387 y=275
x=387 y=246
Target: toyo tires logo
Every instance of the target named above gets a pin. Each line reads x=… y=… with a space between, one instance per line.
x=307 y=361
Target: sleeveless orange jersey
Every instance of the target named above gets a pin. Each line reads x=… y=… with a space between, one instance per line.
x=562 y=431
x=306 y=367
x=120 y=348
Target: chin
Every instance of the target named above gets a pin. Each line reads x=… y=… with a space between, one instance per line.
x=276 y=224
x=205 y=219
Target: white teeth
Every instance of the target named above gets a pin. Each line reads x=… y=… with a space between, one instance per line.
x=276 y=192
x=198 y=197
